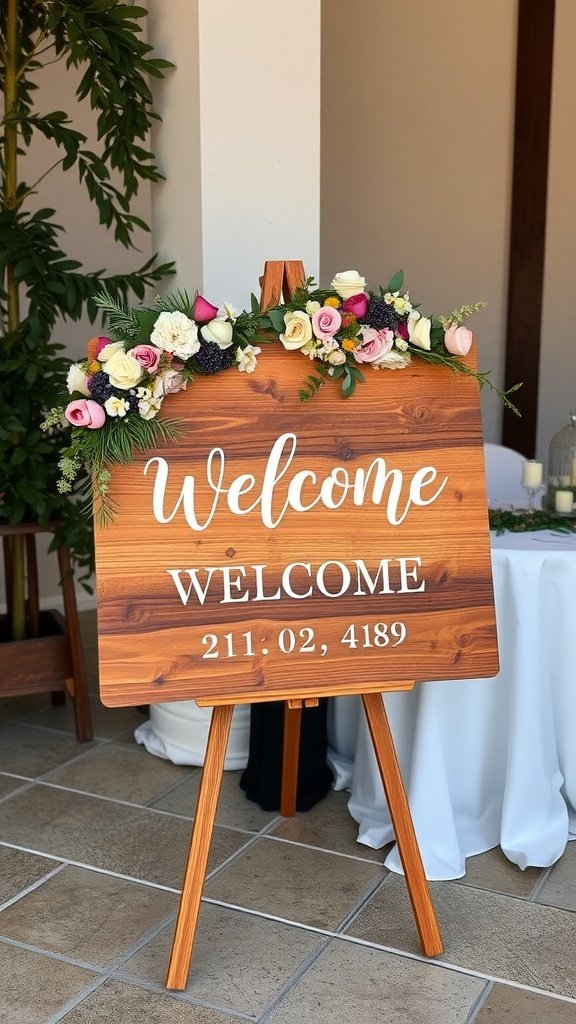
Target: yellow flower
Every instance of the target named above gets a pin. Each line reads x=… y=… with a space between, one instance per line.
x=349 y=344
x=332 y=301
x=94 y=366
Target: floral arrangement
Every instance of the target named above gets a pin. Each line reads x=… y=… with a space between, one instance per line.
x=117 y=391
x=347 y=328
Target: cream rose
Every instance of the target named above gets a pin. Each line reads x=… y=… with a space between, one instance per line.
x=298 y=330
x=219 y=331
x=348 y=283
x=109 y=350
x=337 y=357
x=123 y=370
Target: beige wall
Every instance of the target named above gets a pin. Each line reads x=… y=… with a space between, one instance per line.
x=558 y=353
x=417 y=122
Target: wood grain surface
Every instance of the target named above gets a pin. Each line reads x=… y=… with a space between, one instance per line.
x=151 y=644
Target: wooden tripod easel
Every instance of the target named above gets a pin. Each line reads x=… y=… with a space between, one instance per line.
x=283 y=278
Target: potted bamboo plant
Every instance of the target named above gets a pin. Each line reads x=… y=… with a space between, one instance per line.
x=40 y=282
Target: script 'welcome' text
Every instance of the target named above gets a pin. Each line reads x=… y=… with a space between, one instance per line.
x=303 y=489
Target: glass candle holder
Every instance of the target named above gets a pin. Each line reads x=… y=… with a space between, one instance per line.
x=562 y=462
x=532 y=473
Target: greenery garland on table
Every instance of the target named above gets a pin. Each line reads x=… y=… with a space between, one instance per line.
x=526 y=520
x=117 y=391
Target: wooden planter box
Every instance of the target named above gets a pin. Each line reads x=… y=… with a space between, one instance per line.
x=35 y=665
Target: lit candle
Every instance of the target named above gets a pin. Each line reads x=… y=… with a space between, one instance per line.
x=563 y=501
x=573 y=480
x=531 y=473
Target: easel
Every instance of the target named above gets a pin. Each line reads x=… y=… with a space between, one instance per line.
x=283 y=278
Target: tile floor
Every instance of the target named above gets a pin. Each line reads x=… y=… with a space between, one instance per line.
x=299 y=923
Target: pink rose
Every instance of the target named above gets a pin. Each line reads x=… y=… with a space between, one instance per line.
x=458 y=340
x=374 y=345
x=102 y=342
x=357 y=304
x=85 y=413
x=170 y=382
x=148 y=356
x=203 y=310
x=325 y=322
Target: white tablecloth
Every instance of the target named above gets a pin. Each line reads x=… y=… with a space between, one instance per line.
x=485 y=762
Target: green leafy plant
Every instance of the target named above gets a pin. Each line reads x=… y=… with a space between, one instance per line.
x=39 y=282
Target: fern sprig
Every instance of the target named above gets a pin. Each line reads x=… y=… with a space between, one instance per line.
x=121 y=320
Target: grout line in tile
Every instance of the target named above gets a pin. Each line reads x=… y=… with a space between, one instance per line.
x=91 y=867
x=26 y=784
x=479 y=1002
x=254 y=837
x=292 y=981
x=45 y=781
x=457 y=968
x=30 y=888
x=96 y=983
x=175 y=785
x=106 y=974
x=546 y=874
x=324 y=849
x=361 y=903
x=183 y=997
x=51 y=954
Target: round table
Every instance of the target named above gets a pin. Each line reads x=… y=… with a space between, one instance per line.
x=485 y=762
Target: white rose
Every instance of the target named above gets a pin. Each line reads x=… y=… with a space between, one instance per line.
x=219 y=331
x=312 y=307
x=123 y=370
x=109 y=350
x=348 y=283
x=419 y=330
x=177 y=333
x=116 y=406
x=246 y=358
x=227 y=311
x=298 y=330
x=402 y=304
x=337 y=357
x=393 y=361
x=149 y=407
x=76 y=380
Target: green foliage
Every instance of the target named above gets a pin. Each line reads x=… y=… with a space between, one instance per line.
x=396 y=282
x=522 y=521
x=39 y=282
x=99 y=449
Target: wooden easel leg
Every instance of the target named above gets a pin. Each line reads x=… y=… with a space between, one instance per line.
x=199 y=847
x=290 y=753
x=82 y=712
x=402 y=823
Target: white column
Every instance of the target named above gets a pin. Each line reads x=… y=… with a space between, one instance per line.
x=240 y=142
x=240 y=148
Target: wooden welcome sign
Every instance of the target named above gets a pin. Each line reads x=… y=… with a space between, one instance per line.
x=292 y=550
x=285 y=548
